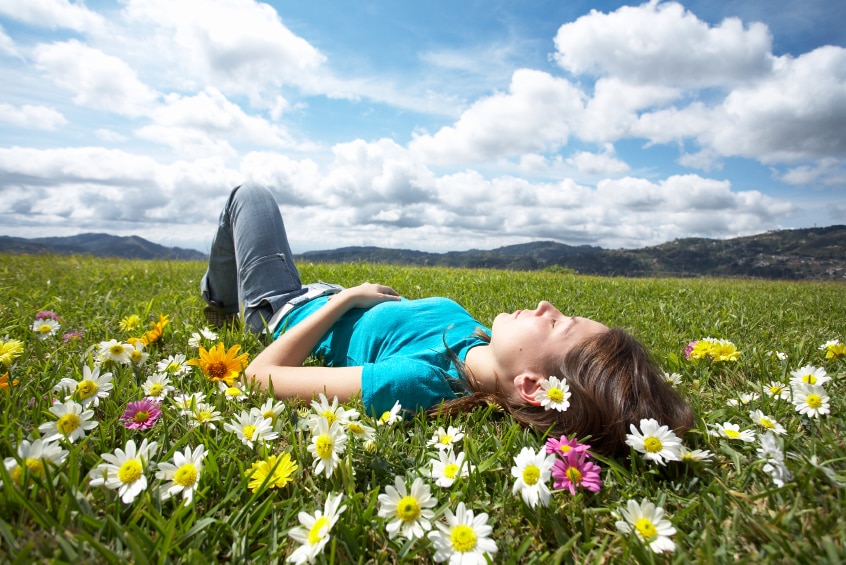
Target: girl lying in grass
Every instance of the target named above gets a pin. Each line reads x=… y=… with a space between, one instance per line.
x=572 y=375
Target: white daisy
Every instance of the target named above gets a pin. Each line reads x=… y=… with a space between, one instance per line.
x=777 y=389
x=673 y=379
x=203 y=414
x=657 y=443
x=270 y=409
x=729 y=430
x=34 y=457
x=71 y=424
x=204 y=334
x=554 y=394
x=313 y=532
x=390 y=417
x=811 y=400
x=174 y=365
x=322 y=408
x=745 y=398
x=186 y=401
x=327 y=445
x=45 y=327
x=767 y=422
x=648 y=523
x=251 y=429
x=694 y=455
x=774 y=457
x=157 y=386
x=234 y=392
x=448 y=467
x=446 y=439
x=532 y=471
x=89 y=390
x=183 y=473
x=464 y=539
x=809 y=375
x=124 y=470
x=116 y=352
x=138 y=356
x=409 y=512
x=361 y=431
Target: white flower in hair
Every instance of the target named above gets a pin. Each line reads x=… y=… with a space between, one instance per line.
x=554 y=394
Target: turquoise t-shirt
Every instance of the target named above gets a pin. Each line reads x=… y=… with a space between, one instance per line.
x=401 y=347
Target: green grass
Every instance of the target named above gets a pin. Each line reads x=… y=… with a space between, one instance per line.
x=725 y=511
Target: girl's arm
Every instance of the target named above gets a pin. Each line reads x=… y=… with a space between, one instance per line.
x=279 y=367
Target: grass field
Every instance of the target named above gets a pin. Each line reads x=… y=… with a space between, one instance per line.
x=725 y=510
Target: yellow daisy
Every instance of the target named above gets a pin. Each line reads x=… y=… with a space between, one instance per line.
x=221 y=365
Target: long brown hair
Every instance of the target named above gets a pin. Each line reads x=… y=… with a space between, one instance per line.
x=614 y=383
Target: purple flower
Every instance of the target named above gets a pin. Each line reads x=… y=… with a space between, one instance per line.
x=574 y=470
x=141 y=415
x=565 y=445
x=46 y=315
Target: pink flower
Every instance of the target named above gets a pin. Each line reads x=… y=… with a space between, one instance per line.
x=564 y=446
x=689 y=349
x=75 y=335
x=46 y=315
x=141 y=415
x=574 y=470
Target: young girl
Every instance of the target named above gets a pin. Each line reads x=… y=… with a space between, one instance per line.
x=427 y=354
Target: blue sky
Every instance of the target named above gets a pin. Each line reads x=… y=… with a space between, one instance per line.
x=425 y=125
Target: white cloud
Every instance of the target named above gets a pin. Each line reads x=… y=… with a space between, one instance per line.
x=206 y=123
x=7 y=45
x=98 y=80
x=31 y=117
x=825 y=172
x=663 y=44
x=52 y=14
x=598 y=163
x=535 y=115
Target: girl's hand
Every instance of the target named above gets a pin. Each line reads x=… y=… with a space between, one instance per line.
x=366 y=295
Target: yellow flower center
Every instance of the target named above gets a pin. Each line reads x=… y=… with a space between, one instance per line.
x=450 y=471
x=564 y=448
x=68 y=423
x=172 y=367
x=355 y=428
x=445 y=439
x=186 y=475
x=574 y=475
x=156 y=389
x=203 y=416
x=17 y=474
x=217 y=370
x=136 y=356
x=130 y=471
x=463 y=538
x=776 y=389
x=269 y=414
x=531 y=475
x=116 y=349
x=324 y=446
x=408 y=509
x=814 y=400
x=249 y=431
x=316 y=533
x=731 y=433
x=385 y=416
x=329 y=415
x=810 y=379
x=233 y=391
x=87 y=389
x=653 y=444
x=141 y=416
x=646 y=529
x=767 y=423
x=35 y=466
x=555 y=394
x=45 y=328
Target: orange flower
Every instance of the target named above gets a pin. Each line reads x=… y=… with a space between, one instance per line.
x=220 y=365
x=4 y=382
x=153 y=335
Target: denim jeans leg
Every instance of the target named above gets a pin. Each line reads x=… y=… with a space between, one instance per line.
x=251 y=267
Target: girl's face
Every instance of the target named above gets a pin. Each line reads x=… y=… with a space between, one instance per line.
x=530 y=340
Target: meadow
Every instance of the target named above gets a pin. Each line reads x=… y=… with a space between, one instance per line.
x=771 y=492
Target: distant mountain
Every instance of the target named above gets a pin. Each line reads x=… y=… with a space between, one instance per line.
x=813 y=253
x=100 y=245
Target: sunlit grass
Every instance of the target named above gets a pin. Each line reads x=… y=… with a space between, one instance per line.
x=725 y=510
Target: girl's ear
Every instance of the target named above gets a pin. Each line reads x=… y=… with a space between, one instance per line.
x=527 y=386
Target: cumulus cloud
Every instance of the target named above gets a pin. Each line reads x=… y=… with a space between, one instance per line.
x=32 y=117
x=663 y=44
x=605 y=163
x=98 y=80
x=52 y=14
x=7 y=46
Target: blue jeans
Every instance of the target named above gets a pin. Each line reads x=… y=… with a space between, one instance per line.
x=251 y=269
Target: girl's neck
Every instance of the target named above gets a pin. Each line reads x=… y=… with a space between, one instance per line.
x=479 y=364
